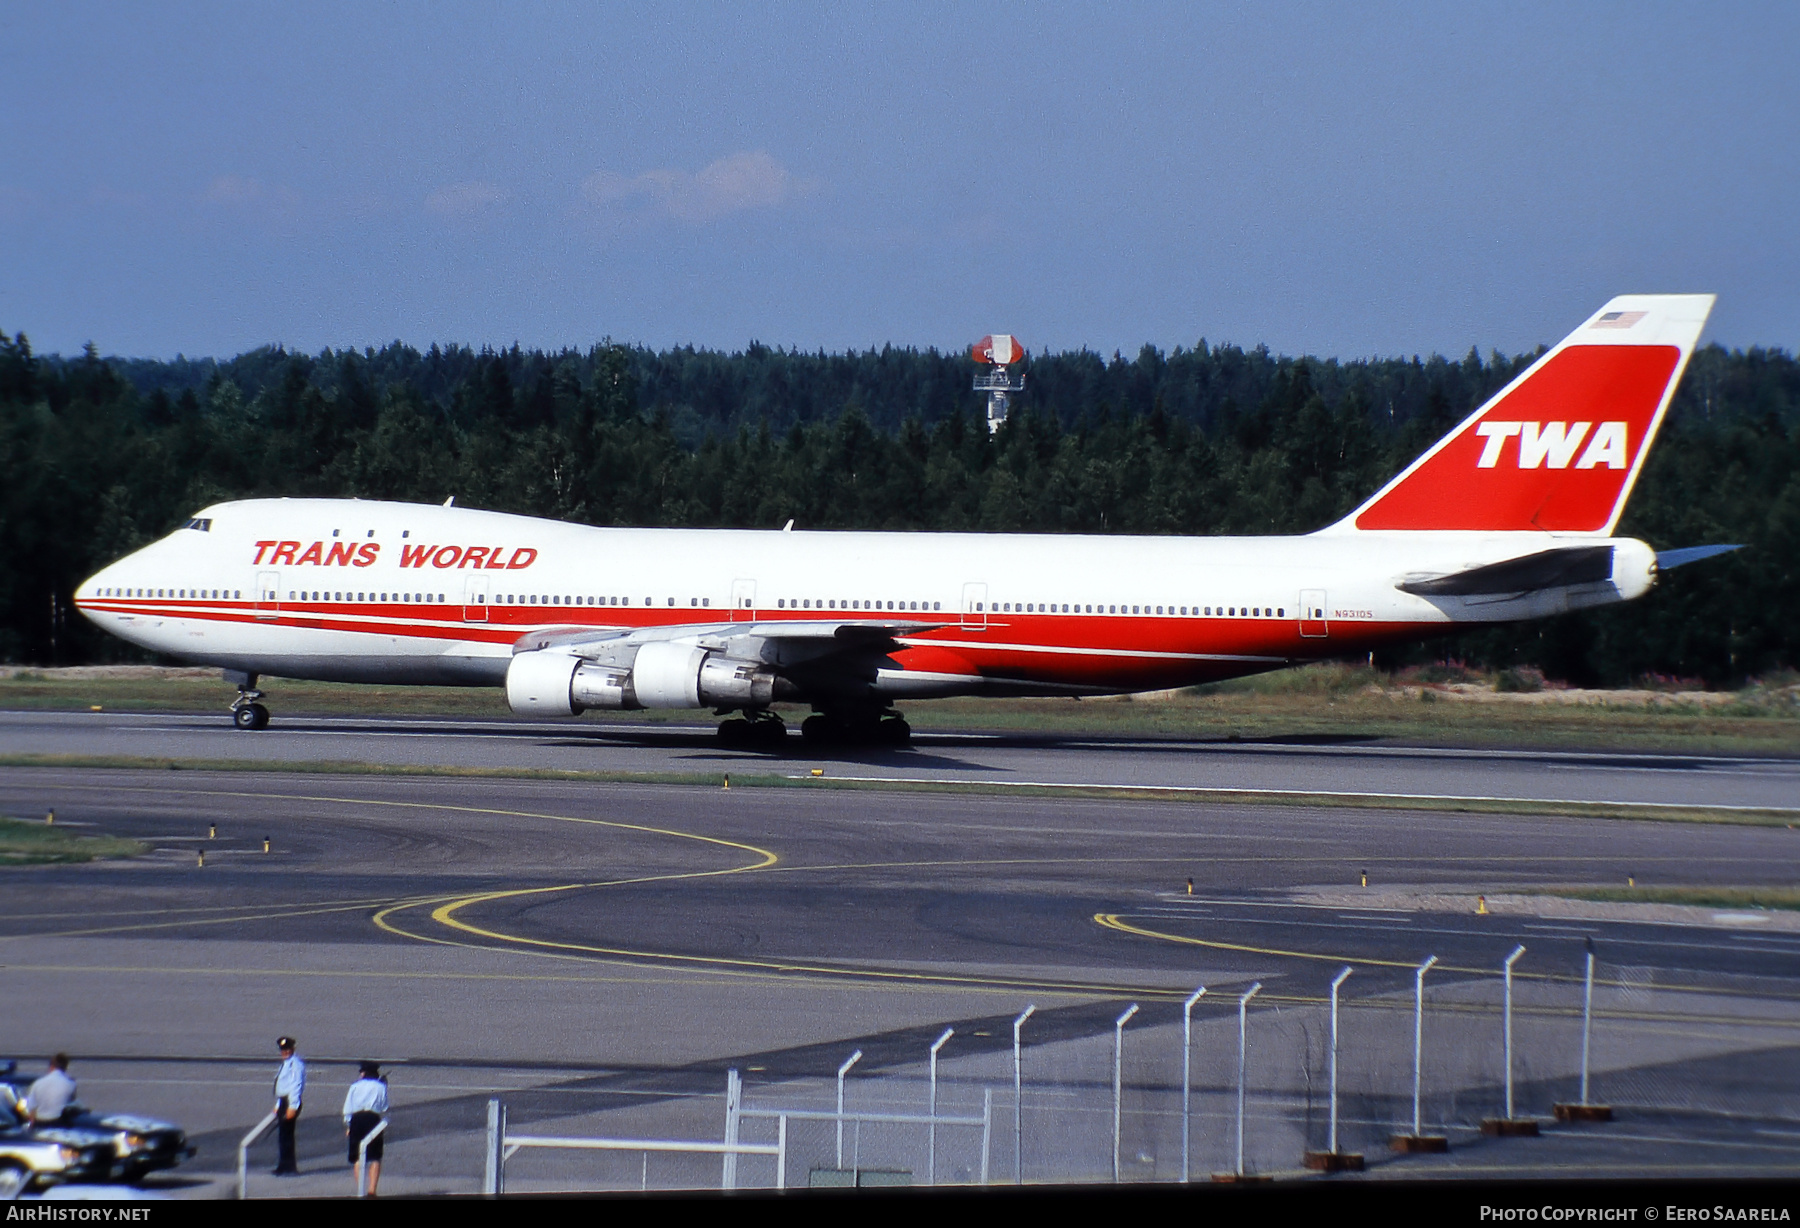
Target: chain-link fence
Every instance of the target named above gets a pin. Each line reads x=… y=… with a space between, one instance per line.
x=1099 y=1102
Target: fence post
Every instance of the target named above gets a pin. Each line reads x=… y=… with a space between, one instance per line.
x=734 y=1103
x=1019 y=1098
x=1243 y=1016
x=1419 y=1032
x=987 y=1129
x=494 y=1179
x=1118 y=1079
x=781 y=1156
x=1507 y=1026
x=362 y=1155
x=1587 y=1018
x=1187 y=1082
x=1343 y=976
x=931 y=1129
x=243 y=1157
x=842 y=1071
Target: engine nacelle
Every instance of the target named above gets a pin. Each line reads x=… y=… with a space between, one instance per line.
x=538 y=683
x=660 y=674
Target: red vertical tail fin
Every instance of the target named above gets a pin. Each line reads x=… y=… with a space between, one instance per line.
x=1559 y=448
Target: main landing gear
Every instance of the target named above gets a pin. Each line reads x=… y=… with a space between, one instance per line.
x=753 y=729
x=868 y=727
x=246 y=713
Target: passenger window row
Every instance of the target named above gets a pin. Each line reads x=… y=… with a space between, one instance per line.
x=553 y=599
x=833 y=603
x=1236 y=611
x=196 y=594
x=305 y=595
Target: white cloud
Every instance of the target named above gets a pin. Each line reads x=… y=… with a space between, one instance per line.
x=234 y=190
x=748 y=180
x=470 y=199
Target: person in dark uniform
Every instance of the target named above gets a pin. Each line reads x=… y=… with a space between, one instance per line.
x=365 y=1104
x=290 y=1090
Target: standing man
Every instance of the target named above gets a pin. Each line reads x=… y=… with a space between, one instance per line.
x=365 y=1104
x=290 y=1090
x=49 y=1096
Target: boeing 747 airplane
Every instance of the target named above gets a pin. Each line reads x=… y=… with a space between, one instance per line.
x=1510 y=516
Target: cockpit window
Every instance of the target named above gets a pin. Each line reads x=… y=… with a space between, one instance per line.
x=202 y=523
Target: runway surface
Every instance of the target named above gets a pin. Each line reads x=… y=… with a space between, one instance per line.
x=597 y=948
x=1351 y=770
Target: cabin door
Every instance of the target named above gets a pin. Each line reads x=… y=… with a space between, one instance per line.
x=743 y=601
x=475 y=601
x=1312 y=613
x=974 y=607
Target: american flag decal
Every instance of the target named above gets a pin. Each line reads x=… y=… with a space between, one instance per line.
x=1619 y=319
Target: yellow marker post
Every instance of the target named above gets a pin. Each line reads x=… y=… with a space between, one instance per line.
x=818 y=771
x=728 y=780
x=1481 y=906
x=1190 y=886
x=1631 y=880
x=1365 y=878
x=265 y=844
x=201 y=861
x=51 y=817
x=212 y=831
x=93 y=707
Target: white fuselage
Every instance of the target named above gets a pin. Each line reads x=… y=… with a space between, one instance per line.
x=393 y=592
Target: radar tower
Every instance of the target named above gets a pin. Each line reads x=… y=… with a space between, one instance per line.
x=995 y=354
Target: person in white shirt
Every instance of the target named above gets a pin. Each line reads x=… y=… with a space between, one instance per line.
x=365 y=1104
x=290 y=1090
x=49 y=1096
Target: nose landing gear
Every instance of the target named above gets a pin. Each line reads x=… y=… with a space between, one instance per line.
x=246 y=713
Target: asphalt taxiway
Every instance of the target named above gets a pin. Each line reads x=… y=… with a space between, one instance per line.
x=1348 y=770
x=586 y=947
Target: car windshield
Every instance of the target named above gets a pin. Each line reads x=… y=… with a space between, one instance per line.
x=9 y=1119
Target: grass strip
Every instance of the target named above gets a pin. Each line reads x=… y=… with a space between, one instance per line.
x=25 y=843
x=789 y=780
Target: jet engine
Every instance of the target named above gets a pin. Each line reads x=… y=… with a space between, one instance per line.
x=660 y=674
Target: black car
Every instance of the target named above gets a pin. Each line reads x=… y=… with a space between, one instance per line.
x=140 y=1145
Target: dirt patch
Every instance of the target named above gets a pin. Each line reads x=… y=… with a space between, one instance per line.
x=1547 y=907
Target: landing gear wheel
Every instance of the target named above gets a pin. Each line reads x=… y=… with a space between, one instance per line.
x=767 y=730
x=250 y=716
x=895 y=731
x=820 y=730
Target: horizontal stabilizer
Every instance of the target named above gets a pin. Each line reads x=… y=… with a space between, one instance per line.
x=1667 y=560
x=1546 y=569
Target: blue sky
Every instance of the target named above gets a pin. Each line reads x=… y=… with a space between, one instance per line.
x=1329 y=179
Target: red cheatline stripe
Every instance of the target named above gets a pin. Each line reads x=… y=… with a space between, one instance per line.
x=1096 y=638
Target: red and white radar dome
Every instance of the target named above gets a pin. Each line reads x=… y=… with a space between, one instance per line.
x=999 y=349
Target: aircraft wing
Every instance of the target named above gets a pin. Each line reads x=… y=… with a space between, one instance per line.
x=738 y=639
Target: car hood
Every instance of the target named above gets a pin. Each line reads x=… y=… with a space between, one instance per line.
x=68 y=1136
x=137 y=1125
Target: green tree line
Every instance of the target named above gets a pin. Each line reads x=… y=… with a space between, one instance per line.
x=99 y=456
